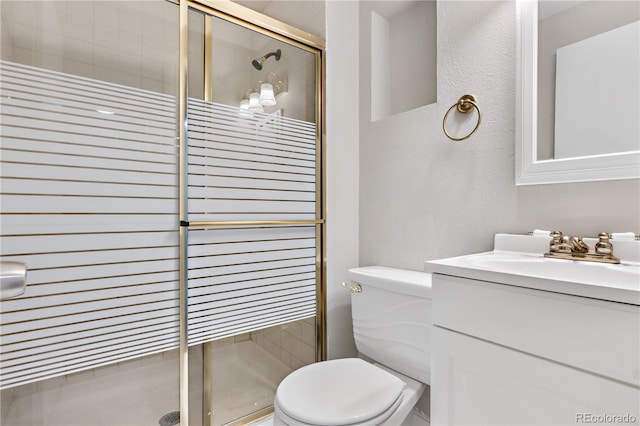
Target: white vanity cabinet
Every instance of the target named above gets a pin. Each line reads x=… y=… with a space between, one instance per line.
x=509 y=355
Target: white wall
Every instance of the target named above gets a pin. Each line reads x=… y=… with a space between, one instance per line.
x=341 y=170
x=423 y=196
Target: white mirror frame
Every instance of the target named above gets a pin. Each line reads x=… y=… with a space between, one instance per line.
x=529 y=171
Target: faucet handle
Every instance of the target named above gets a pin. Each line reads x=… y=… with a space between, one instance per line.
x=558 y=244
x=603 y=246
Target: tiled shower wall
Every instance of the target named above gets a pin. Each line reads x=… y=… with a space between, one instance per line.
x=133 y=43
x=293 y=343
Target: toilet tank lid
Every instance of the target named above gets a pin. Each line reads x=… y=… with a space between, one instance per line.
x=404 y=281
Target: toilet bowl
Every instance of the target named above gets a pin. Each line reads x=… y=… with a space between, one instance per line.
x=391 y=322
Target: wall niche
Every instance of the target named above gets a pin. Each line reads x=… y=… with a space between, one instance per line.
x=403 y=56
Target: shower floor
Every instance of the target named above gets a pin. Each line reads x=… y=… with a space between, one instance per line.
x=244 y=375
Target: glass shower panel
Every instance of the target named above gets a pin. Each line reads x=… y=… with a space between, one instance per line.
x=90 y=204
x=253 y=200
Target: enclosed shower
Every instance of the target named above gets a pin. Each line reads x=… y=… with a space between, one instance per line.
x=166 y=197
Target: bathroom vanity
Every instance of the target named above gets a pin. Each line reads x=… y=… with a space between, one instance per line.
x=522 y=339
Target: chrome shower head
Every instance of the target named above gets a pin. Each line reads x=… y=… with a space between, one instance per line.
x=257 y=63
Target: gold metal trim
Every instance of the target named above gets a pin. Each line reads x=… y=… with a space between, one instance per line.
x=207 y=373
x=264 y=412
x=255 y=223
x=246 y=17
x=183 y=212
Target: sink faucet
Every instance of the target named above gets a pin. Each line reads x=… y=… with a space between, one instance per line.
x=572 y=248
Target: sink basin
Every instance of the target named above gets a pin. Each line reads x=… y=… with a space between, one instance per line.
x=557 y=269
x=519 y=260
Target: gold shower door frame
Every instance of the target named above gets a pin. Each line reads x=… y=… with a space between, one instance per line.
x=263 y=24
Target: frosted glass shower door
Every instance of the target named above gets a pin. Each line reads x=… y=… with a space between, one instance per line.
x=254 y=214
x=89 y=203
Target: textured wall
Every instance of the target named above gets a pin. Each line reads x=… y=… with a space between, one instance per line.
x=342 y=170
x=424 y=197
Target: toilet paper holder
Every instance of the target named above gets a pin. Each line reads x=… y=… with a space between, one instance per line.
x=13 y=279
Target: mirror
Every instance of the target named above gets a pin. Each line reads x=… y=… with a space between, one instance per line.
x=578 y=82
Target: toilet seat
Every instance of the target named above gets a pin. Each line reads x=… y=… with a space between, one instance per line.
x=338 y=392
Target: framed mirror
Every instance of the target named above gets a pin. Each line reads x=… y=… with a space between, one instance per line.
x=578 y=87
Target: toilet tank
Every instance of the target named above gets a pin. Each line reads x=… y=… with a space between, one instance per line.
x=392 y=318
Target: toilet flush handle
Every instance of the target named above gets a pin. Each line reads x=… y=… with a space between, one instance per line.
x=352 y=288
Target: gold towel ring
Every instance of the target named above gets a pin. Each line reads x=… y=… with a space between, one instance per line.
x=464 y=105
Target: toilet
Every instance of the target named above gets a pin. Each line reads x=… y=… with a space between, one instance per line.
x=391 y=328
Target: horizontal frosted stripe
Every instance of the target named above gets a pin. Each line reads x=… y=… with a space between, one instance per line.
x=78 y=127
x=94 y=224
x=303 y=300
x=252 y=258
x=255 y=164
x=146 y=276
x=37 y=186
x=234 y=148
x=249 y=247
x=249 y=234
x=240 y=329
x=55 y=353
x=224 y=182
x=17 y=348
x=210 y=157
x=282 y=139
x=221 y=287
x=135 y=142
x=81 y=364
x=201 y=135
x=280 y=302
x=249 y=194
x=199 y=140
x=84 y=151
x=95 y=327
x=80 y=299
x=88 y=173
x=72 y=124
x=49 y=98
x=25 y=103
x=214 y=165
x=247 y=317
x=213 y=183
x=52 y=204
x=208 y=108
x=211 y=110
x=82 y=86
x=249 y=173
x=257 y=270
x=259 y=295
x=66 y=160
x=262 y=206
x=69 y=316
x=96 y=355
x=216 y=115
x=115 y=305
x=86 y=242
x=57 y=263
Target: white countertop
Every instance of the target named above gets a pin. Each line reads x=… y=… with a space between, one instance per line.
x=518 y=260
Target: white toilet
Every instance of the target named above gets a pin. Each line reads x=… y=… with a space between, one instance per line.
x=391 y=326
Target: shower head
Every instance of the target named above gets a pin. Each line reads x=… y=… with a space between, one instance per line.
x=257 y=63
